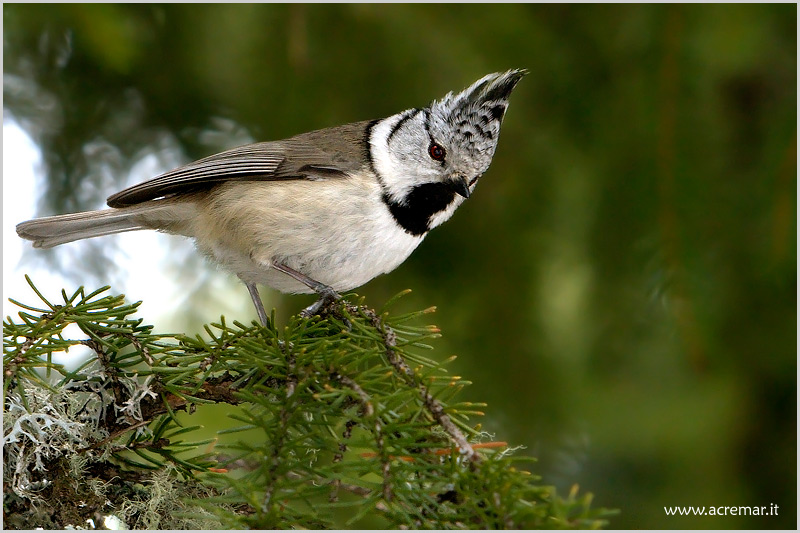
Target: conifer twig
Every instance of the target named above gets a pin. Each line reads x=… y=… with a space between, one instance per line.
x=369 y=411
x=432 y=404
x=114 y=435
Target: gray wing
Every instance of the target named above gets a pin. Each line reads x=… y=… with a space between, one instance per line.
x=316 y=155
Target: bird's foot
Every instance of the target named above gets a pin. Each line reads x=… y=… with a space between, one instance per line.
x=327 y=297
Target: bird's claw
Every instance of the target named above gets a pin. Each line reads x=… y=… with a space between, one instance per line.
x=327 y=296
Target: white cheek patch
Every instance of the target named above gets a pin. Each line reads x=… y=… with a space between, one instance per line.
x=396 y=155
x=382 y=159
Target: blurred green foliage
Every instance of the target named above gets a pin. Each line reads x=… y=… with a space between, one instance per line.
x=622 y=286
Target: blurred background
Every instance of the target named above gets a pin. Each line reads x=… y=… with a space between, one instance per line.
x=621 y=288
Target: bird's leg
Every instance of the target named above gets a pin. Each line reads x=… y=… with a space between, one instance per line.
x=325 y=292
x=262 y=313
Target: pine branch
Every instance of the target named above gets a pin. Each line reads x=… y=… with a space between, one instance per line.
x=397 y=362
x=352 y=427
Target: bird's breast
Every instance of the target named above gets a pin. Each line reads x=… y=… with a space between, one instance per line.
x=338 y=232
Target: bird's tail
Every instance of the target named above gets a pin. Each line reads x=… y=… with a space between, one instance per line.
x=51 y=231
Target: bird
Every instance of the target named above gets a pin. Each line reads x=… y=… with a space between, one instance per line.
x=321 y=212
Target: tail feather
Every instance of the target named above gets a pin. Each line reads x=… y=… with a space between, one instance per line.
x=51 y=231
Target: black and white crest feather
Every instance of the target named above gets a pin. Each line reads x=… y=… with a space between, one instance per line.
x=462 y=129
x=472 y=118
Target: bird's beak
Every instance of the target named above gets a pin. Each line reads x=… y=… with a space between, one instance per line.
x=460 y=186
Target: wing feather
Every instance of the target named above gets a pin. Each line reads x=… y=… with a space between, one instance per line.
x=316 y=155
x=258 y=161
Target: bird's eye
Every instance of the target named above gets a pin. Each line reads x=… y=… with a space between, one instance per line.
x=436 y=152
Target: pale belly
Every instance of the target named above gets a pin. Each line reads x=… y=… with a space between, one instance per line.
x=338 y=233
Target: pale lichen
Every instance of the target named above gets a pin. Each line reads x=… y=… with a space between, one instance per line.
x=45 y=425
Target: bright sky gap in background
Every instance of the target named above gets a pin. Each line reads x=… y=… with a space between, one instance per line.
x=141 y=275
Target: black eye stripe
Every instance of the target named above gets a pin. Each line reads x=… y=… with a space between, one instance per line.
x=433 y=142
x=405 y=118
x=427 y=121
